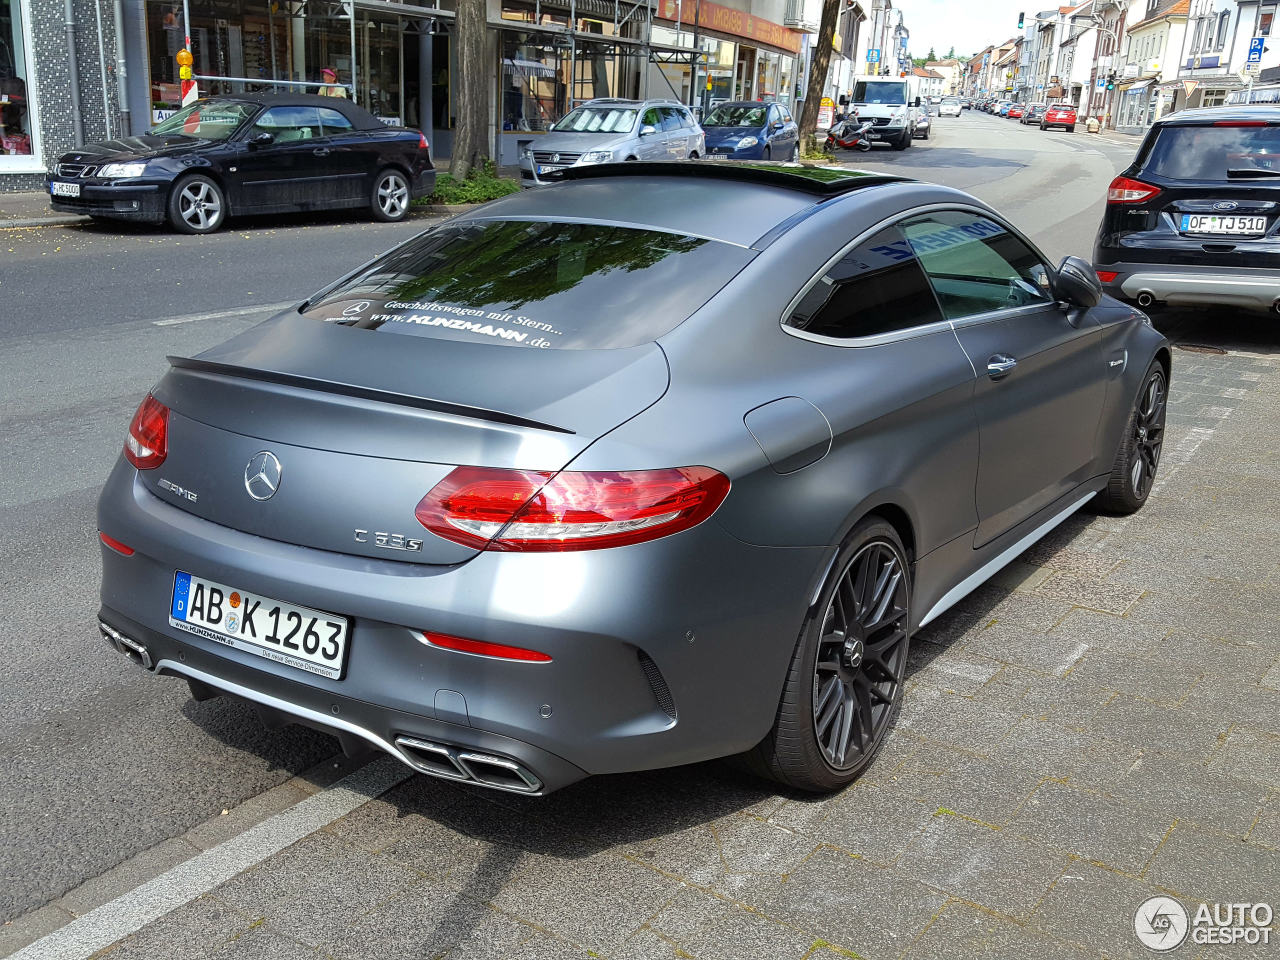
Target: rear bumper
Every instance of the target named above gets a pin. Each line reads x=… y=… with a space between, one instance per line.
x=143 y=202
x=663 y=653
x=1245 y=288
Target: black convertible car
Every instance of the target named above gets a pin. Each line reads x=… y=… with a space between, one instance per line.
x=269 y=153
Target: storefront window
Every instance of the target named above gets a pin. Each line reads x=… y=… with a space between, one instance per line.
x=15 y=103
x=534 y=92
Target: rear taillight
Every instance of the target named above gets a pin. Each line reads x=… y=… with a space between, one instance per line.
x=1240 y=123
x=148 y=441
x=534 y=511
x=1108 y=276
x=422 y=142
x=1124 y=190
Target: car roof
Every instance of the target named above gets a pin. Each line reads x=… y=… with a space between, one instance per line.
x=361 y=118
x=746 y=204
x=1238 y=111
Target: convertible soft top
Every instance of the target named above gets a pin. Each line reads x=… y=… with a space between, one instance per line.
x=360 y=118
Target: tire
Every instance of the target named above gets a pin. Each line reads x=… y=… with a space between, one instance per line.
x=854 y=676
x=795 y=152
x=390 y=198
x=768 y=154
x=196 y=204
x=904 y=141
x=1071 y=129
x=693 y=155
x=1138 y=456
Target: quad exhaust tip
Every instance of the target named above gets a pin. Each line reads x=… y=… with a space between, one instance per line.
x=127 y=645
x=443 y=760
x=1146 y=298
x=1275 y=305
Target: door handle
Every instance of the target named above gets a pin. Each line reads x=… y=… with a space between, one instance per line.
x=321 y=151
x=1000 y=366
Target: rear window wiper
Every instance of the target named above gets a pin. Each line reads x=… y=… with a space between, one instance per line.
x=1243 y=173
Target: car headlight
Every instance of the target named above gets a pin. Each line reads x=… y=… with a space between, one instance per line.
x=596 y=156
x=113 y=170
x=526 y=153
x=747 y=142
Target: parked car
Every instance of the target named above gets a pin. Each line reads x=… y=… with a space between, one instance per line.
x=744 y=130
x=966 y=104
x=1015 y=111
x=1059 y=115
x=590 y=480
x=1002 y=108
x=950 y=107
x=249 y=153
x=1033 y=112
x=610 y=130
x=1193 y=219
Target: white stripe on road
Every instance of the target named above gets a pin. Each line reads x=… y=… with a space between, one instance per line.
x=219 y=314
x=129 y=913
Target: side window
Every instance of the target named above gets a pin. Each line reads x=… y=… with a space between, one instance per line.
x=289 y=124
x=975 y=264
x=686 y=118
x=877 y=287
x=671 y=121
x=334 y=122
x=651 y=119
x=786 y=115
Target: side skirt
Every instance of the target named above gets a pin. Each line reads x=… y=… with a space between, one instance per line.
x=1040 y=526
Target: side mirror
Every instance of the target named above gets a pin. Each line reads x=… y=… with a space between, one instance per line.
x=776 y=125
x=262 y=139
x=648 y=129
x=1077 y=283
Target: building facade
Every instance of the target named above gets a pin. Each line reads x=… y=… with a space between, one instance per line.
x=55 y=90
x=1148 y=85
x=397 y=59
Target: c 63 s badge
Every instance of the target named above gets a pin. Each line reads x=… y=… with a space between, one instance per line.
x=172 y=487
x=389 y=541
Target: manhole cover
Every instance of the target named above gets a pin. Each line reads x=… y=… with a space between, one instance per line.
x=1199 y=348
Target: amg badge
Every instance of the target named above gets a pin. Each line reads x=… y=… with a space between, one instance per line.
x=180 y=491
x=389 y=541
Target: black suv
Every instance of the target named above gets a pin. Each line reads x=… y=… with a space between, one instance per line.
x=1196 y=216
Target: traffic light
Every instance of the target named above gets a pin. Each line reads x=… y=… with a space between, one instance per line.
x=1021 y=17
x=1111 y=81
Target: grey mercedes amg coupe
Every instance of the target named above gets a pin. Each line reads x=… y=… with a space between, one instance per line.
x=662 y=463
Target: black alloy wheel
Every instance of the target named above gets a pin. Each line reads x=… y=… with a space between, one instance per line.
x=1137 y=460
x=862 y=656
x=848 y=670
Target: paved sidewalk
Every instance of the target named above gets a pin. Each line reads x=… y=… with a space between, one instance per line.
x=1101 y=725
x=31 y=210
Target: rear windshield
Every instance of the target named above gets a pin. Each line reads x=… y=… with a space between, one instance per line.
x=535 y=284
x=1207 y=153
x=735 y=117
x=880 y=91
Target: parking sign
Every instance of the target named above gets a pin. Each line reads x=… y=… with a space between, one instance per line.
x=1256 y=46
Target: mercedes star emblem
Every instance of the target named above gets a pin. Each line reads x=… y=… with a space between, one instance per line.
x=262 y=475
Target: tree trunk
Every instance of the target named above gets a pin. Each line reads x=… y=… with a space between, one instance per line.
x=818 y=69
x=469 y=147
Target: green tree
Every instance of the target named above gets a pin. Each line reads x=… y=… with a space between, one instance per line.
x=818 y=72
x=951 y=54
x=932 y=57
x=469 y=148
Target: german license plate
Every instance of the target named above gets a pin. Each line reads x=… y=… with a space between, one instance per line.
x=1216 y=223
x=300 y=637
x=65 y=189
x=872 y=135
x=548 y=168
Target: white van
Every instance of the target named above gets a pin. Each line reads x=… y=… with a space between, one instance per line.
x=891 y=103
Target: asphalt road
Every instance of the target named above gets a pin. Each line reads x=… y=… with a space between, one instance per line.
x=99 y=761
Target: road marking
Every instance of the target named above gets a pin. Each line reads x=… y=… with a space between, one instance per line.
x=130 y=912
x=220 y=314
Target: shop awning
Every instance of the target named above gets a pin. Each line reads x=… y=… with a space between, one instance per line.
x=531 y=67
x=1138 y=85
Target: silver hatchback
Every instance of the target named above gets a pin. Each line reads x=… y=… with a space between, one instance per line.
x=608 y=131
